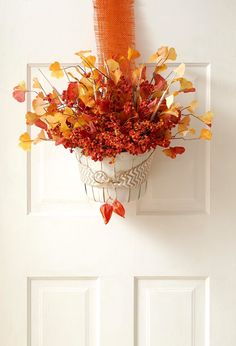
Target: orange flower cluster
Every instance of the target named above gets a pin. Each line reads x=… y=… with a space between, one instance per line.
x=109 y=109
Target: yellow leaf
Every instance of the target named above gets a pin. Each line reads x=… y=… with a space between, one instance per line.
x=161 y=54
x=160 y=68
x=114 y=70
x=83 y=52
x=25 y=141
x=87 y=100
x=193 y=106
x=172 y=54
x=138 y=74
x=184 y=123
x=89 y=61
x=169 y=100
x=180 y=70
x=68 y=111
x=41 y=136
x=153 y=57
x=192 y=131
x=116 y=76
x=205 y=134
x=36 y=83
x=171 y=111
x=112 y=65
x=50 y=120
x=72 y=76
x=21 y=86
x=207 y=117
x=58 y=119
x=56 y=70
x=188 y=132
x=85 y=87
x=185 y=84
x=133 y=53
x=80 y=122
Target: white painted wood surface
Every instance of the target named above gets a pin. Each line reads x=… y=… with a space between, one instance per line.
x=165 y=276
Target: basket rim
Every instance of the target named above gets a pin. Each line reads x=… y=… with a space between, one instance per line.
x=122 y=155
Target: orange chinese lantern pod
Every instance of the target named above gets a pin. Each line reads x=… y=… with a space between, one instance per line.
x=114 y=27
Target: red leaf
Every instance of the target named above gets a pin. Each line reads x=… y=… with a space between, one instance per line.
x=160 y=82
x=72 y=91
x=174 y=151
x=118 y=208
x=41 y=124
x=60 y=141
x=106 y=211
x=19 y=95
x=49 y=134
x=191 y=90
x=179 y=150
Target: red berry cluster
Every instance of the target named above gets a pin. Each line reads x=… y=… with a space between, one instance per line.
x=120 y=120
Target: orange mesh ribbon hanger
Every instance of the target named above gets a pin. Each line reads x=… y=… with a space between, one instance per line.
x=114 y=27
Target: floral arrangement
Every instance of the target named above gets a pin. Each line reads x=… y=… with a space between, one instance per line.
x=113 y=107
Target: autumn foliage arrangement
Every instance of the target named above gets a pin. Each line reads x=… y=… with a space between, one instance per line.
x=110 y=108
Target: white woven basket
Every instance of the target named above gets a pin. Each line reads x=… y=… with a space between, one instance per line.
x=125 y=179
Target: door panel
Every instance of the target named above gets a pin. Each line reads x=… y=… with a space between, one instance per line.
x=165 y=276
x=172 y=311
x=63 y=311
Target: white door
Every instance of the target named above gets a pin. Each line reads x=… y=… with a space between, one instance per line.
x=165 y=276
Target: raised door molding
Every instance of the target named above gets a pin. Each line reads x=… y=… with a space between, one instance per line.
x=63 y=311
x=171 y=311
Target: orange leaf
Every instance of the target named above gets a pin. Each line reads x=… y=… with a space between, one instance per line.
x=172 y=152
x=39 y=104
x=56 y=70
x=205 y=134
x=133 y=54
x=184 y=123
x=30 y=118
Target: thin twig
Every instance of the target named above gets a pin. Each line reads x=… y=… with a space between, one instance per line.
x=185 y=139
x=58 y=94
